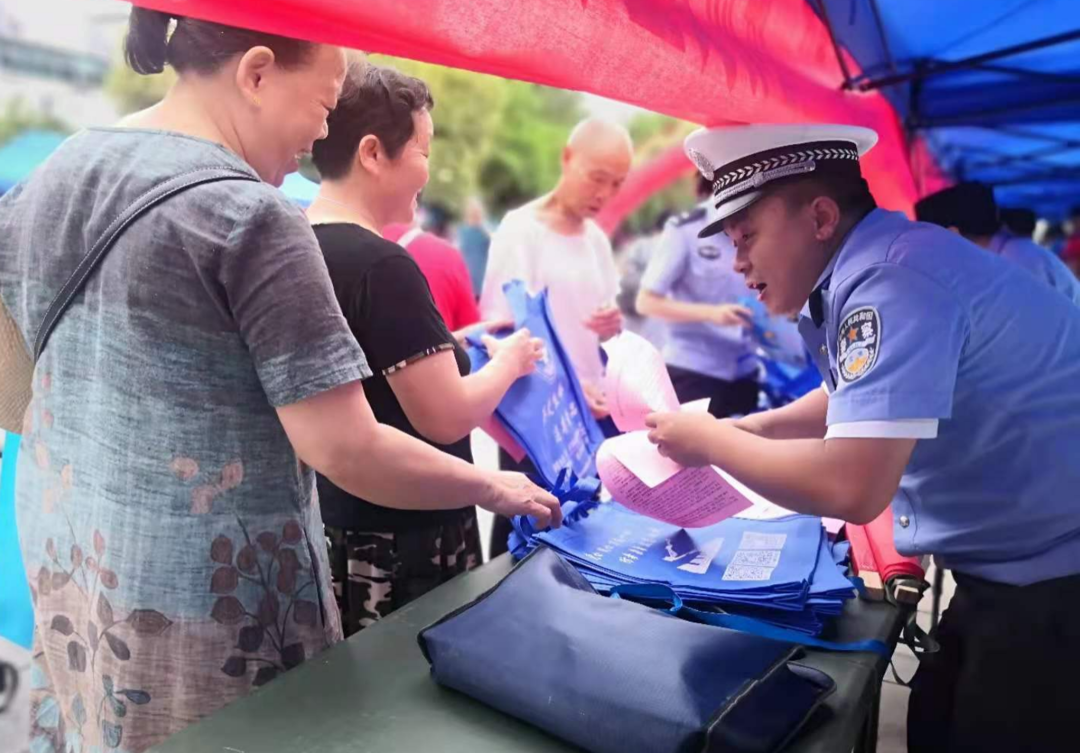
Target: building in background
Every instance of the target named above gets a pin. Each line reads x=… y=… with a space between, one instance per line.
x=57 y=70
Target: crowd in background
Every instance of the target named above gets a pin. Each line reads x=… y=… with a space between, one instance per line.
x=470 y=237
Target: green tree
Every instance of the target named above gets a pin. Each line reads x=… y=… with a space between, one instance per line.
x=467 y=112
x=17 y=117
x=652 y=131
x=524 y=159
x=133 y=91
x=653 y=134
x=495 y=138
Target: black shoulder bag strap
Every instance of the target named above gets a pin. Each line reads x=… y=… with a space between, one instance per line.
x=89 y=263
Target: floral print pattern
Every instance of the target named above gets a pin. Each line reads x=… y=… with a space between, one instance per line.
x=271 y=563
x=165 y=522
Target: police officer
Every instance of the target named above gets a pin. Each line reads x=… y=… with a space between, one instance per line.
x=952 y=391
x=691 y=284
x=971 y=210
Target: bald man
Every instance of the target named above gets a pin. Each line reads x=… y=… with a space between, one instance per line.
x=554 y=242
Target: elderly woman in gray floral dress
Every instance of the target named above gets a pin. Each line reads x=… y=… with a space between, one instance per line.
x=166 y=495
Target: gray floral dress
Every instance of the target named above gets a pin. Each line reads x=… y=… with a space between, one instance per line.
x=171 y=536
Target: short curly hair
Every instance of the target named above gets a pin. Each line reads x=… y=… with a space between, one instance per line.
x=377 y=101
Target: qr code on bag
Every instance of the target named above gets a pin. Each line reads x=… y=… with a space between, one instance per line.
x=747 y=572
x=757 y=557
x=752 y=540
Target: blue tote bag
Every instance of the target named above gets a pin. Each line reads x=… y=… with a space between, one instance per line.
x=614 y=676
x=545 y=412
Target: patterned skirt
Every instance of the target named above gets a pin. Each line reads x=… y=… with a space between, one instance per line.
x=375 y=573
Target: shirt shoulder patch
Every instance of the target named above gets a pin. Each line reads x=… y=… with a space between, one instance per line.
x=858 y=343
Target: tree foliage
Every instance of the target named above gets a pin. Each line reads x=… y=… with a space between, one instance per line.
x=17 y=117
x=653 y=133
x=495 y=138
x=132 y=91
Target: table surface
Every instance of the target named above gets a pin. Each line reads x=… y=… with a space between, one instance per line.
x=373 y=693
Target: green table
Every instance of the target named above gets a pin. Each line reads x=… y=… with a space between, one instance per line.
x=373 y=693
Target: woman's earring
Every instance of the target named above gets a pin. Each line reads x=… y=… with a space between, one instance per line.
x=256 y=100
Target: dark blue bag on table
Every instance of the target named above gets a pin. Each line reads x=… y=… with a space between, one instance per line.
x=614 y=676
x=545 y=412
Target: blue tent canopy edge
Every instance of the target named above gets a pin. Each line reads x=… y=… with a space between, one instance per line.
x=994 y=87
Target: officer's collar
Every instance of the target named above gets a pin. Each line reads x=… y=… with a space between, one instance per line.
x=814 y=309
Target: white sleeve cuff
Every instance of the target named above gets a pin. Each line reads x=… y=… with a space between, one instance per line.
x=904 y=428
x=825 y=386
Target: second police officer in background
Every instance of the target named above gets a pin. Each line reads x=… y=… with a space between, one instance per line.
x=691 y=284
x=971 y=210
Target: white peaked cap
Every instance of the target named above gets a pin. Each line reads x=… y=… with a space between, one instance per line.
x=741 y=160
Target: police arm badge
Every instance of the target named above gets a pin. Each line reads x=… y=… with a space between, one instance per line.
x=857 y=343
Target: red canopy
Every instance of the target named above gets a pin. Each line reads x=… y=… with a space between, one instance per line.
x=642 y=182
x=707 y=61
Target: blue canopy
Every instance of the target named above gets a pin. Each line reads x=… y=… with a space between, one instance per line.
x=22 y=154
x=993 y=86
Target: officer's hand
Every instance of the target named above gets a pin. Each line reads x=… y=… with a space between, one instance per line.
x=606 y=322
x=520 y=351
x=731 y=315
x=683 y=437
x=597 y=402
x=513 y=494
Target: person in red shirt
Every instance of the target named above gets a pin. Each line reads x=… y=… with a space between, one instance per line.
x=1071 y=254
x=446 y=273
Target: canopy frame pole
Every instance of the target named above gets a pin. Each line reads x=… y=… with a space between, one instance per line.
x=992 y=157
x=971 y=118
x=1061 y=78
x=914 y=116
x=1053 y=175
x=884 y=40
x=1032 y=135
x=936 y=69
x=1038 y=167
x=1036 y=154
x=836 y=45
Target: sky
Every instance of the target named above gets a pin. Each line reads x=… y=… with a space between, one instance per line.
x=610 y=109
x=84 y=25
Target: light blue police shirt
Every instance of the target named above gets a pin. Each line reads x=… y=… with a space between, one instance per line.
x=700 y=270
x=1038 y=261
x=928 y=337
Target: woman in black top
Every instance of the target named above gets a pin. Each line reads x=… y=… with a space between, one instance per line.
x=374 y=164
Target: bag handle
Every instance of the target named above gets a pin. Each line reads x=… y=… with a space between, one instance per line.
x=567 y=488
x=105 y=241
x=518 y=298
x=664 y=593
